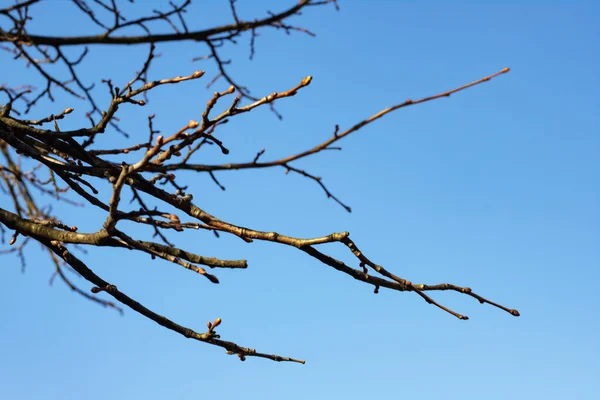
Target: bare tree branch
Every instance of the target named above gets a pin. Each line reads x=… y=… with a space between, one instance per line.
x=36 y=158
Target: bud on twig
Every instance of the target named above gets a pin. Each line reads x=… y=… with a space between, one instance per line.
x=306 y=81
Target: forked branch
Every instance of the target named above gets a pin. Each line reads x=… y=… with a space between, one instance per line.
x=39 y=158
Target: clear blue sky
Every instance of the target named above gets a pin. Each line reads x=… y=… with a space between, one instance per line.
x=495 y=188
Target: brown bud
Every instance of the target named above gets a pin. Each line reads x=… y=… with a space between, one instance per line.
x=193 y=124
x=68 y=110
x=217 y=322
x=306 y=80
x=13 y=240
x=212 y=278
x=515 y=313
x=159 y=140
x=209 y=325
x=126 y=151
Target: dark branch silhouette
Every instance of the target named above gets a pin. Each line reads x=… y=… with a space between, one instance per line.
x=68 y=166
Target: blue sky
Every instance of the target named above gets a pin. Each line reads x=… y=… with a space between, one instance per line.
x=495 y=188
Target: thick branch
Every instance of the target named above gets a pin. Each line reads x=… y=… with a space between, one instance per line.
x=202 y=35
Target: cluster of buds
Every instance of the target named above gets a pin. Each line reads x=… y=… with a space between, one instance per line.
x=212 y=325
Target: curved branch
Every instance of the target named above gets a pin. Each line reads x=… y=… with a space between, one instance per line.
x=202 y=35
x=326 y=144
x=102 y=286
